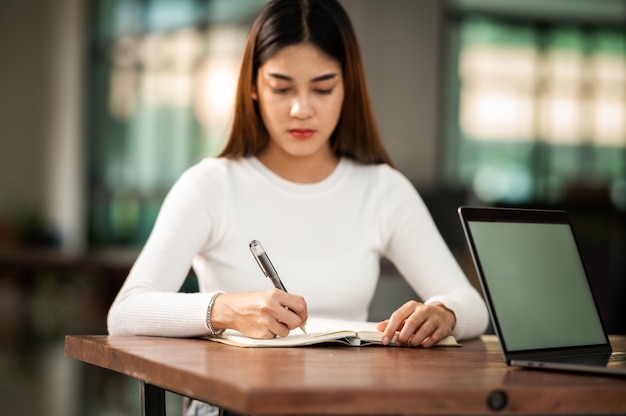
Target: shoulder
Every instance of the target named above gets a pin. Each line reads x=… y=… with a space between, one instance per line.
x=381 y=177
x=210 y=176
x=211 y=167
x=379 y=170
x=391 y=194
x=212 y=171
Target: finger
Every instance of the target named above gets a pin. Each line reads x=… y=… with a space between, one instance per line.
x=279 y=328
x=382 y=325
x=431 y=331
x=439 y=334
x=415 y=317
x=264 y=334
x=411 y=327
x=439 y=324
x=265 y=320
x=392 y=326
x=264 y=327
x=397 y=320
x=430 y=340
x=289 y=318
x=295 y=305
x=423 y=335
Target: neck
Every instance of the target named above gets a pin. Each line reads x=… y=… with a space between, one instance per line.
x=299 y=169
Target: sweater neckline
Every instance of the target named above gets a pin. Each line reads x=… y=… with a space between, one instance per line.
x=308 y=188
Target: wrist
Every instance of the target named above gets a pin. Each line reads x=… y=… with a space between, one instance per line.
x=449 y=312
x=209 y=315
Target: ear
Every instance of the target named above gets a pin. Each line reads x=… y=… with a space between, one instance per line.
x=254 y=94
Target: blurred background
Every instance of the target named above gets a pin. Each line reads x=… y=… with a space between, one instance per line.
x=103 y=104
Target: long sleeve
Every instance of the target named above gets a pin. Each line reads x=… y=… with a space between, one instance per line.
x=325 y=239
x=148 y=302
x=421 y=255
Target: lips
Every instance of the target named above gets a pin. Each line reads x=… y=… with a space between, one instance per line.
x=301 y=134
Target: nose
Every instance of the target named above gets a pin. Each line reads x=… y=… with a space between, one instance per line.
x=301 y=108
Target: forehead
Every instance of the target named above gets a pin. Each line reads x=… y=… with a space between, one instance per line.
x=301 y=61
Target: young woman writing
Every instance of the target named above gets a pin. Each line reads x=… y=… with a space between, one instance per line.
x=305 y=172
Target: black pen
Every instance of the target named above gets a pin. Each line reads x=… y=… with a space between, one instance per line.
x=263 y=260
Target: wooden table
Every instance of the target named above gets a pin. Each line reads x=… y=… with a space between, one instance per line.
x=344 y=380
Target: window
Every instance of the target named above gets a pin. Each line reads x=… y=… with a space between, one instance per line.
x=537 y=107
x=162 y=82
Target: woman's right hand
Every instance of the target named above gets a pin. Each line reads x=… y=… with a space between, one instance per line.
x=262 y=314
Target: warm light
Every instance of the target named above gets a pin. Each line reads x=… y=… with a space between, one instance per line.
x=510 y=62
x=123 y=78
x=217 y=82
x=496 y=97
x=561 y=117
x=609 y=122
x=608 y=68
x=608 y=114
x=159 y=68
x=507 y=95
x=563 y=66
x=496 y=114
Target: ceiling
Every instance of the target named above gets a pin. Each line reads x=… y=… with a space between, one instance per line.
x=596 y=11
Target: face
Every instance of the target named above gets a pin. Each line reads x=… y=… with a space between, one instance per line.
x=300 y=94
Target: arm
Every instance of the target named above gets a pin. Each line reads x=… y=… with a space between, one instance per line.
x=451 y=305
x=149 y=303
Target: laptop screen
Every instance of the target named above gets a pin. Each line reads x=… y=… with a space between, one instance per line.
x=537 y=284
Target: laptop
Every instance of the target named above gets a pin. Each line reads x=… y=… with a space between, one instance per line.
x=537 y=290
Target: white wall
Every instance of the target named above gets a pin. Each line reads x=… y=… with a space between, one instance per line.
x=41 y=113
x=23 y=96
x=65 y=169
x=401 y=45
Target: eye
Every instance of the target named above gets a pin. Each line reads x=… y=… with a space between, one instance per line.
x=281 y=90
x=324 y=91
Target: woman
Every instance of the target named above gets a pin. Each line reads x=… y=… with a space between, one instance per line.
x=305 y=172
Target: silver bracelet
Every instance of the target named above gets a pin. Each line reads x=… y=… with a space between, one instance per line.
x=209 y=324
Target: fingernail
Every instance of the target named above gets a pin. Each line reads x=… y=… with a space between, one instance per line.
x=386 y=340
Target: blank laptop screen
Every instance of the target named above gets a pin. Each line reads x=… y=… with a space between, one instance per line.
x=537 y=284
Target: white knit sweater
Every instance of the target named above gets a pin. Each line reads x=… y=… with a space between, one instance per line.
x=325 y=240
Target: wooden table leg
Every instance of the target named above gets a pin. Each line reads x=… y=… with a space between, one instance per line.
x=152 y=400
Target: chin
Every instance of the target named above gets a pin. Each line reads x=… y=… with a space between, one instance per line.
x=301 y=150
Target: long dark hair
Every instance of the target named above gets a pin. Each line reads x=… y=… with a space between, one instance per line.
x=324 y=24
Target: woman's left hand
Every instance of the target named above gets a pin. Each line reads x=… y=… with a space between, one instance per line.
x=418 y=324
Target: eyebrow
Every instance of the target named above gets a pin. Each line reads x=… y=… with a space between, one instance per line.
x=321 y=78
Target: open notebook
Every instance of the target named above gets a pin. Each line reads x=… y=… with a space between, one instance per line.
x=319 y=331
